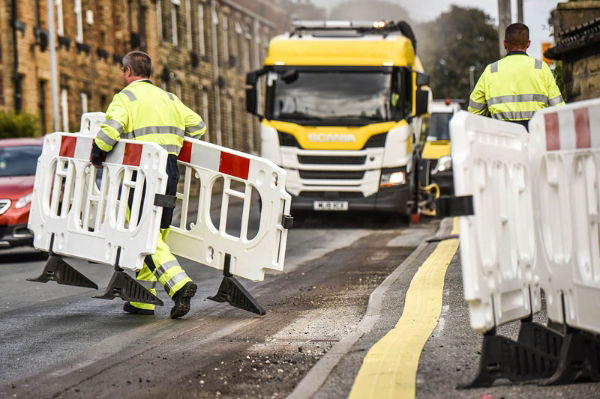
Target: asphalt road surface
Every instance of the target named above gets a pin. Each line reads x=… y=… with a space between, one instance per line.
x=58 y=342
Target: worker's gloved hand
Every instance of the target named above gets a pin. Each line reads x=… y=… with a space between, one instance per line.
x=97 y=157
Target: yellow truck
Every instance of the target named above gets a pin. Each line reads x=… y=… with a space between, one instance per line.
x=339 y=104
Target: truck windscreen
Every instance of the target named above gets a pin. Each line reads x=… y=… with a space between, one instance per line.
x=439 y=126
x=332 y=97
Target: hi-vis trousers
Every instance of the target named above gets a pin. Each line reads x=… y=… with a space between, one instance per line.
x=162 y=266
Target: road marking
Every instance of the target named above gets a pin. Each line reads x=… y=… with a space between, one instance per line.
x=389 y=369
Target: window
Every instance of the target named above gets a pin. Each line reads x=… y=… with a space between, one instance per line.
x=174 y=21
x=78 y=21
x=60 y=28
x=42 y=84
x=178 y=89
x=84 y=102
x=229 y=116
x=204 y=111
x=159 y=24
x=225 y=37
x=38 y=13
x=201 y=36
x=64 y=105
x=188 y=25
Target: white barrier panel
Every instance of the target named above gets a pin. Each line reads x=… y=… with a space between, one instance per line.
x=241 y=175
x=497 y=243
x=565 y=159
x=90 y=123
x=92 y=222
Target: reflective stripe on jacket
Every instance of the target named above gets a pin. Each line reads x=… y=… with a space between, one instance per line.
x=513 y=88
x=145 y=112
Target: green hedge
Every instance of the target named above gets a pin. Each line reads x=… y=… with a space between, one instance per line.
x=14 y=124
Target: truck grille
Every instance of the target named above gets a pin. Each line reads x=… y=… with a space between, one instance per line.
x=331 y=160
x=331 y=195
x=331 y=175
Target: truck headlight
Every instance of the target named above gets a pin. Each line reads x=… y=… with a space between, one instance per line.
x=24 y=200
x=443 y=164
x=390 y=179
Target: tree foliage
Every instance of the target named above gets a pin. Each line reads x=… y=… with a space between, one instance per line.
x=18 y=125
x=450 y=44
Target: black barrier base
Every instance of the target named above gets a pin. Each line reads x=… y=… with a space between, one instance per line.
x=232 y=291
x=124 y=286
x=579 y=359
x=127 y=288
x=535 y=355
x=58 y=270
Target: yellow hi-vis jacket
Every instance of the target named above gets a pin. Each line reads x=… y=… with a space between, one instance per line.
x=144 y=112
x=513 y=88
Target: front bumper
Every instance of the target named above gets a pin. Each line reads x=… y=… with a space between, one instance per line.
x=15 y=235
x=392 y=199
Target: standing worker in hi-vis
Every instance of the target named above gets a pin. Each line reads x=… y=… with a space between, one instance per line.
x=144 y=112
x=513 y=88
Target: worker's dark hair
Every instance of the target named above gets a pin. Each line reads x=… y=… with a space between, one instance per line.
x=139 y=62
x=517 y=35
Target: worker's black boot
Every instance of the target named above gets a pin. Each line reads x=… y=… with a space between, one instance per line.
x=129 y=308
x=182 y=300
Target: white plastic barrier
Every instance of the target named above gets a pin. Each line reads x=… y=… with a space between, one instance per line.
x=92 y=222
x=240 y=174
x=565 y=159
x=490 y=163
x=90 y=123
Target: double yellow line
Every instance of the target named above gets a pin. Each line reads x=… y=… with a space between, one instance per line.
x=390 y=368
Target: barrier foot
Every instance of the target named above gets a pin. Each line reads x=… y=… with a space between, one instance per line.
x=127 y=288
x=233 y=292
x=58 y=270
x=579 y=359
x=535 y=355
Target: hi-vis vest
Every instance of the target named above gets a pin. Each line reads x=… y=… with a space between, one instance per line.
x=145 y=112
x=513 y=88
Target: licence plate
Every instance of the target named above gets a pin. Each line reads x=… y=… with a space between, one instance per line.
x=331 y=205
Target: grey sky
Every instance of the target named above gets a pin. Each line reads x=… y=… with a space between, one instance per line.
x=536 y=14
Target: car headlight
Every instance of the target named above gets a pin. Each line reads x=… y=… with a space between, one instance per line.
x=392 y=179
x=443 y=164
x=24 y=200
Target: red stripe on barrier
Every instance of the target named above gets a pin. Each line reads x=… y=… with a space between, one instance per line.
x=234 y=165
x=552 y=132
x=583 y=136
x=185 y=155
x=133 y=154
x=67 y=146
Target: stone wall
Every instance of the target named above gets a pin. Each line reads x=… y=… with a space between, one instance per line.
x=577 y=37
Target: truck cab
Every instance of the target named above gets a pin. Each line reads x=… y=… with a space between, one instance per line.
x=339 y=101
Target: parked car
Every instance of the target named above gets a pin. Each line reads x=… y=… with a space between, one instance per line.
x=18 y=161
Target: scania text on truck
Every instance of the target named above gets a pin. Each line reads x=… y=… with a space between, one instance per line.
x=339 y=103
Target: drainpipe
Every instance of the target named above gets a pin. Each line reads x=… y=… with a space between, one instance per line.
x=215 y=65
x=15 y=73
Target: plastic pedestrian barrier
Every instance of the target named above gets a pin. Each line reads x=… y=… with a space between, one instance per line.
x=565 y=158
x=112 y=215
x=74 y=213
x=490 y=163
x=529 y=206
x=90 y=123
x=247 y=230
